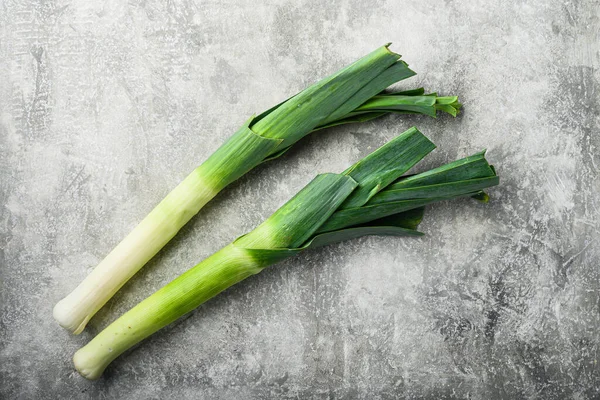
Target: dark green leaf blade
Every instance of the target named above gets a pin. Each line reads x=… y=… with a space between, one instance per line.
x=437 y=190
x=380 y=168
x=472 y=167
x=395 y=73
x=328 y=238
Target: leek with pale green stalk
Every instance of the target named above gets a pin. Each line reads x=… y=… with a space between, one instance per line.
x=369 y=198
x=354 y=94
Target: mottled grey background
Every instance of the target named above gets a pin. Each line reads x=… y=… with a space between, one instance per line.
x=105 y=106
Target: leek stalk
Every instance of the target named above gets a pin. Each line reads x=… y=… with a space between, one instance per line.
x=369 y=198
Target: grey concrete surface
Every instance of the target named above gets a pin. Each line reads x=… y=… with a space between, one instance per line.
x=105 y=106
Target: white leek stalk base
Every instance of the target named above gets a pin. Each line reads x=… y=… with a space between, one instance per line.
x=168 y=217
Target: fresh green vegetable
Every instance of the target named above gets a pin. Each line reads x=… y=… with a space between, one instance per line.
x=353 y=94
x=369 y=198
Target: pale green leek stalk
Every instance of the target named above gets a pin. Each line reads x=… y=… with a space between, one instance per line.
x=369 y=198
x=353 y=94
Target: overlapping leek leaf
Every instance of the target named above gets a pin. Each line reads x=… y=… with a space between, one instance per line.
x=405 y=102
x=369 y=198
x=464 y=177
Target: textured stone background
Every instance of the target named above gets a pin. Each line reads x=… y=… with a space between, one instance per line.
x=105 y=106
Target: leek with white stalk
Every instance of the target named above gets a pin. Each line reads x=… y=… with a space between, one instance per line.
x=354 y=94
x=369 y=198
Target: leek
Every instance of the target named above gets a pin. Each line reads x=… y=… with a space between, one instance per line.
x=353 y=94
x=369 y=198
